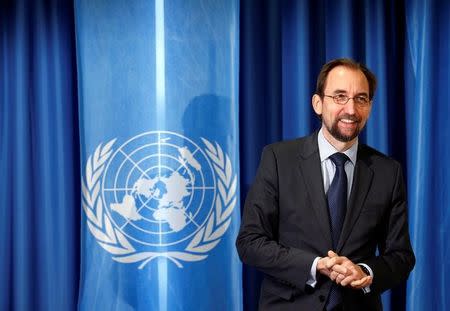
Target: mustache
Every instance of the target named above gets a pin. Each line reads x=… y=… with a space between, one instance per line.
x=350 y=117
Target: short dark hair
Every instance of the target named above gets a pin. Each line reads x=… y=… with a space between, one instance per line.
x=349 y=63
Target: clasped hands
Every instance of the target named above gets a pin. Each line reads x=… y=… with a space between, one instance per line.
x=343 y=271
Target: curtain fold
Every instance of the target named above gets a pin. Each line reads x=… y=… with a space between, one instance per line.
x=39 y=181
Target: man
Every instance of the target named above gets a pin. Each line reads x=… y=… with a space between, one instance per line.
x=321 y=206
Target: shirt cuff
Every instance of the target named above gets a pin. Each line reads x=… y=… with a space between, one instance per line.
x=312 y=280
x=366 y=289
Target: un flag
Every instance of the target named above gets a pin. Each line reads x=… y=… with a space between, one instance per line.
x=159 y=128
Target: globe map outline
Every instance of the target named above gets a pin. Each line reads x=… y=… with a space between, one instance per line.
x=190 y=174
x=155 y=138
x=162 y=166
x=134 y=166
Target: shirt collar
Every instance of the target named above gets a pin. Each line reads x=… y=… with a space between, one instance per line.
x=326 y=149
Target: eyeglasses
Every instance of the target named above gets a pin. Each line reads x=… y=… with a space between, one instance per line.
x=341 y=99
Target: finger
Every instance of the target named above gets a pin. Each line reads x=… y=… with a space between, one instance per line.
x=364 y=282
x=352 y=275
x=330 y=262
x=348 y=279
x=333 y=275
x=340 y=278
x=341 y=260
x=358 y=282
x=332 y=254
x=340 y=269
x=367 y=281
x=335 y=261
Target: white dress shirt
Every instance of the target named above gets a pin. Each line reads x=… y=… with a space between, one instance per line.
x=328 y=170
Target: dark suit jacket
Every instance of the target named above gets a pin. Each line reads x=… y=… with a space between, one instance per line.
x=285 y=226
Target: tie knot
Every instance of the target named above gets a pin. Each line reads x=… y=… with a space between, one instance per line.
x=339 y=158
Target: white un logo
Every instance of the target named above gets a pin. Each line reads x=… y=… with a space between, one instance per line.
x=159 y=194
x=159 y=188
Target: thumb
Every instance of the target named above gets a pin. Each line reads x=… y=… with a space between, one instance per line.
x=332 y=254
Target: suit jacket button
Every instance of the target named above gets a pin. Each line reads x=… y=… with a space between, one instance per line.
x=322 y=298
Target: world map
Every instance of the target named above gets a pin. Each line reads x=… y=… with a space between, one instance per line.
x=167 y=191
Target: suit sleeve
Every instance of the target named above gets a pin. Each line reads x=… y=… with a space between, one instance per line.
x=257 y=242
x=396 y=258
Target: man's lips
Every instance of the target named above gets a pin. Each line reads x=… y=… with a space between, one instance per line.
x=348 y=121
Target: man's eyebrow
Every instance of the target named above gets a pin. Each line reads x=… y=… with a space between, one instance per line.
x=362 y=94
x=339 y=91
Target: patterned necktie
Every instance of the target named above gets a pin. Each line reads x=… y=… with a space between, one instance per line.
x=337 y=205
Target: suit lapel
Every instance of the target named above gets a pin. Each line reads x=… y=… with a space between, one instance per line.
x=311 y=171
x=361 y=184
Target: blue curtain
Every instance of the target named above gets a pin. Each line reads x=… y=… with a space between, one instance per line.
x=282 y=46
x=39 y=158
x=427 y=73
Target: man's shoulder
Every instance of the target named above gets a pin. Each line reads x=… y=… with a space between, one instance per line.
x=376 y=158
x=293 y=146
x=284 y=145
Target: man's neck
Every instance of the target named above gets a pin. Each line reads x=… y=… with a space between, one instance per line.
x=340 y=146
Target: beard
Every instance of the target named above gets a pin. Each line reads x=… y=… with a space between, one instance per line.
x=338 y=134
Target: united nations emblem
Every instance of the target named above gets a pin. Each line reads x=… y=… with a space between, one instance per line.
x=159 y=194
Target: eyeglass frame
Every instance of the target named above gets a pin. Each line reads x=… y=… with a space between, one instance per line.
x=363 y=104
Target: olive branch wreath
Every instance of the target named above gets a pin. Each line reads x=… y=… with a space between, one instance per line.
x=116 y=243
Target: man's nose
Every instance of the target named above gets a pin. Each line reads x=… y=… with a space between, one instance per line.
x=350 y=106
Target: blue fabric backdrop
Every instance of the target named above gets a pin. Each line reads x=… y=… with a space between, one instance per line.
x=283 y=45
x=427 y=73
x=39 y=158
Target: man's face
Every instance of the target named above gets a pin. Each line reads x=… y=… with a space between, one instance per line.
x=343 y=123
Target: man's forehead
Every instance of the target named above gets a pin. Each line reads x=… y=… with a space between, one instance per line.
x=342 y=77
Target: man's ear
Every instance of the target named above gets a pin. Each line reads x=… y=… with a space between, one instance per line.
x=316 y=102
